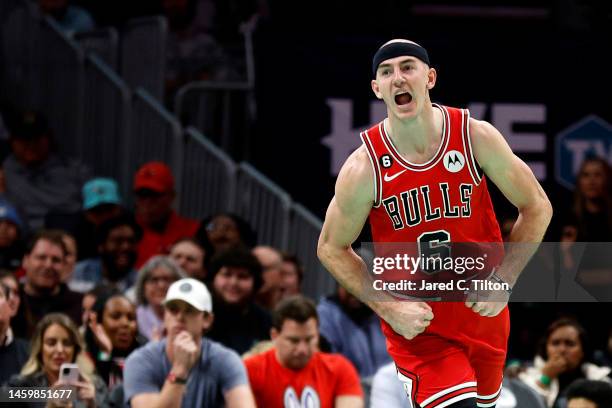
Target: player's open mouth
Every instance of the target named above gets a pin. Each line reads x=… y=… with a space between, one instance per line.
x=403 y=98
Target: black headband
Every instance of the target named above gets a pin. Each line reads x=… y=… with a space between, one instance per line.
x=397 y=49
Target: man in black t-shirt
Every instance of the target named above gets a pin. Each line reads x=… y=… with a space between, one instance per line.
x=42 y=291
x=13 y=352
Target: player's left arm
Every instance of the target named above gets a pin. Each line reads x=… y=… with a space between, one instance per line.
x=518 y=184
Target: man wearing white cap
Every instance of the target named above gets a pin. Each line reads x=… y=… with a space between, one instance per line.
x=185 y=368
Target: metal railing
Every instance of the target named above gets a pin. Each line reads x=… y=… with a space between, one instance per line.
x=59 y=66
x=155 y=135
x=20 y=28
x=106 y=120
x=99 y=120
x=264 y=205
x=209 y=177
x=143 y=54
x=211 y=106
x=303 y=239
x=103 y=42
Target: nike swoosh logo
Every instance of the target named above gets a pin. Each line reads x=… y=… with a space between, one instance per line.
x=393 y=177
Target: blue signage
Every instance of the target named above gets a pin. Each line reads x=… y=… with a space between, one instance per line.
x=591 y=136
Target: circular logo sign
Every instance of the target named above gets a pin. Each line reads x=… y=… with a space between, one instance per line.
x=453 y=161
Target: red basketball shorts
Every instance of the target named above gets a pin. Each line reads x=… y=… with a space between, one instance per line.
x=461 y=355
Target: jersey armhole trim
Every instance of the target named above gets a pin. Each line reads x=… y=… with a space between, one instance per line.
x=473 y=166
x=365 y=138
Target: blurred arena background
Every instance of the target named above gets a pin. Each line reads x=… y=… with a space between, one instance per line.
x=255 y=104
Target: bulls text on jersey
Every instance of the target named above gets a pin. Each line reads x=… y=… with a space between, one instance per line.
x=412 y=207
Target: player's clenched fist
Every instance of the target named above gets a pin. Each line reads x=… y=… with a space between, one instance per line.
x=185 y=353
x=408 y=319
x=487 y=303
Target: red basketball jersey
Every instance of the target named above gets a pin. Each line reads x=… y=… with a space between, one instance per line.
x=443 y=200
x=445 y=194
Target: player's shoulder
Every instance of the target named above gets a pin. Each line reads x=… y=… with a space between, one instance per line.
x=357 y=167
x=481 y=130
x=485 y=139
x=356 y=177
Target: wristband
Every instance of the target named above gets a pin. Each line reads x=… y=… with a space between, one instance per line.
x=545 y=380
x=496 y=278
x=173 y=379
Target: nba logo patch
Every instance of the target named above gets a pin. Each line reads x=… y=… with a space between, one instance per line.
x=453 y=161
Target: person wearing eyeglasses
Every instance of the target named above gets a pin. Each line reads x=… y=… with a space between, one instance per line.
x=154 y=280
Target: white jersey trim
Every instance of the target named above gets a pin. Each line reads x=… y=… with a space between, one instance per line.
x=448 y=391
x=486 y=405
x=439 y=153
x=455 y=399
x=365 y=138
x=494 y=395
x=465 y=136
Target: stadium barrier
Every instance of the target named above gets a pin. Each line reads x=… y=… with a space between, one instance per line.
x=209 y=177
x=99 y=120
x=303 y=237
x=103 y=42
x=155 y=135
x=143 y=54
x=60 y=62
x=264 y=205
x=106 y=120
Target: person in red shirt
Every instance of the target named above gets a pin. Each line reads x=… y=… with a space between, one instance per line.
x=161 y=225
x=294 y=373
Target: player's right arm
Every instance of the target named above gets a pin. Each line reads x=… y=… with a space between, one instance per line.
x=345 y=218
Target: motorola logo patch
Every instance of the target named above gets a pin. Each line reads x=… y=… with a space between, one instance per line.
x=453 y=161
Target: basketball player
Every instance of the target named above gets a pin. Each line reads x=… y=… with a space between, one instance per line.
x=421 y=175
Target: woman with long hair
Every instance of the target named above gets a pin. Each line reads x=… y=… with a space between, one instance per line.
x=111 y=334
x=562 y=358
x=591 y=218
x=590 y=224
x=56 y=341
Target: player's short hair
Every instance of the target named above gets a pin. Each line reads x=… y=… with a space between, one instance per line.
x=598 y=392
x=298 y=308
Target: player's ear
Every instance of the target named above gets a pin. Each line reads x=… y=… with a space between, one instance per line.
x=376 y=89
x=432 y=75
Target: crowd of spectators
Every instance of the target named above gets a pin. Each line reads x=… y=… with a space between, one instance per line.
x=158 y=310
x=146 y=301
